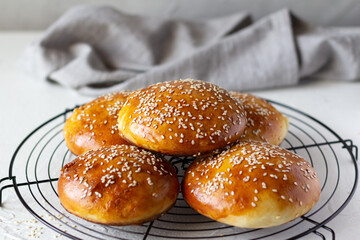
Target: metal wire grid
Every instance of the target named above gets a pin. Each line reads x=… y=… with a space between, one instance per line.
x=333 y=158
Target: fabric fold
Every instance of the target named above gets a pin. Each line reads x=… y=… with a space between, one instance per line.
x=97 y=49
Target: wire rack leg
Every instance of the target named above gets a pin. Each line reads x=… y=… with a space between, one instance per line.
x=4 y=187
x=352 y=147
x=319 y=234
x=324 y=227
x=21 y=184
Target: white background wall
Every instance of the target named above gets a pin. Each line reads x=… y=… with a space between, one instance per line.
x=39 y=14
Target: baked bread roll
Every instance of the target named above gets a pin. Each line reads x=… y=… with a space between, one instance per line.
x=94 y=124
x=251 y=185
x=118 y=185
x=264 y=122
x=183 y=117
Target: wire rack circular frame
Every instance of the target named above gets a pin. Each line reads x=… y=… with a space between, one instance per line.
x=35 y=184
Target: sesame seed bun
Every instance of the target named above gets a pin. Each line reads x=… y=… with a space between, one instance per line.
x=183 y=117
x=94 y=124
x=118 y=185
x=251 y=185
x=264 y=122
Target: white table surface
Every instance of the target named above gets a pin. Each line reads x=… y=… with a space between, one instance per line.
x=26 y=102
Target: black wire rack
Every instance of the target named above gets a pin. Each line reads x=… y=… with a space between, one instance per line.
x=44 y=152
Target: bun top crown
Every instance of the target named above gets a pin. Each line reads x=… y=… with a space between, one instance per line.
x=183 y=117
x=94 y=124
x=264 y=122
x=118 y=185
x=263 y=183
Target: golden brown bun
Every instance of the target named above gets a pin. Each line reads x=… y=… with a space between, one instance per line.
x=264 y=122
x=118 y=185
x=94 y=124
x=251 y=185
x=183 y=117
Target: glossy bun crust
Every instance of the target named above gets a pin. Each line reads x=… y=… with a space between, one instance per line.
x=251 y=185
x=94 y=124
x=118 y=185
x=183 y=117
x=264 y=122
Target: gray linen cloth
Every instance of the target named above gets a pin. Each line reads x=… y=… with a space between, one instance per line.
x=97 y=49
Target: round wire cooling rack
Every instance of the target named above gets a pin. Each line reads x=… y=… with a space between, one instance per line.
x=36 y=164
